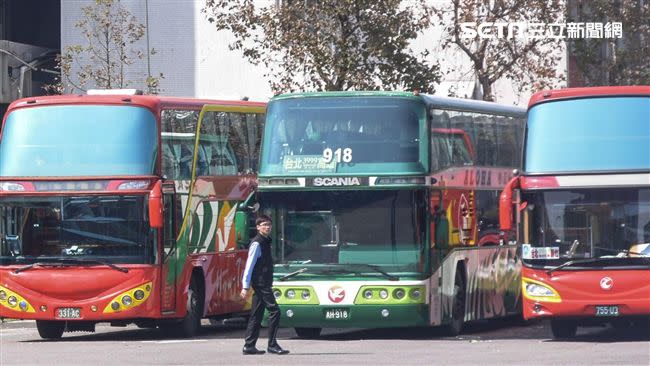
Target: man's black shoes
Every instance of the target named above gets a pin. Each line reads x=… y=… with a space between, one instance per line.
x=277 y=350
x=252 y=351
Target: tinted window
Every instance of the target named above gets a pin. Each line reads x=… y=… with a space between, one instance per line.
x=78 y=140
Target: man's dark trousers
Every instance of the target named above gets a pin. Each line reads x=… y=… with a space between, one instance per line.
x=262 y=298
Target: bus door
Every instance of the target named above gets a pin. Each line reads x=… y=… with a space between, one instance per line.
x=233 y=253
x=170 y=250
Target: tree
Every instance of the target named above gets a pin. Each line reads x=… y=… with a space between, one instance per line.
x=506 y=49
x=331 y=44
x=611 y=60
x=111 y=33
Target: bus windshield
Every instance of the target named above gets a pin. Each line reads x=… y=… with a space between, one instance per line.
x=80 y=140
x=577 y=224
x=382 y=228
x=342 y=135
x=108 y=228
x=592 y=134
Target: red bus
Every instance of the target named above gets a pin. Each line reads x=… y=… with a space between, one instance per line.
x=125 y=209
x=581 y=207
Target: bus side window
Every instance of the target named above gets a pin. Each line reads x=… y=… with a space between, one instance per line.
x=170 y=164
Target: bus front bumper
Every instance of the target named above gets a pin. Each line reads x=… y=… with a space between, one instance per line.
x=587 y=309
x=354 y=316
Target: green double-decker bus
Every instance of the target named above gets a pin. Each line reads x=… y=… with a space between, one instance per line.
x=385 y=209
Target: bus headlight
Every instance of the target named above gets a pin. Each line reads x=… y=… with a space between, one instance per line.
x=305 y=295
x=12 y=301
x=277 y=294
x=367 y=294
x=291 y=294
x=399 y=293
x=415 y=293
x=138 y=294
x=383 y=294
x=129 y=299
x=539 y=291
x=534 y=289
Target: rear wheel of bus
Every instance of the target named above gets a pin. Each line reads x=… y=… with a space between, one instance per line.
x=50 y=329
x=562 y=328
x=308 y=333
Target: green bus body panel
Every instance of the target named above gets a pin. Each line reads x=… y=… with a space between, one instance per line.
x=360 y=316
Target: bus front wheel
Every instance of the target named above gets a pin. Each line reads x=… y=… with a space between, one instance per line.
x=308 y=333
x=50 y=329
x=563 y=328
x=190 y=325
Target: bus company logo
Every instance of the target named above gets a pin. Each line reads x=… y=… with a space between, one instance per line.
x=606 y=283
x=336 y=294
x=336 y=181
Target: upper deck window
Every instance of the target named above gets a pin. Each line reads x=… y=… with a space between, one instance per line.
x=590 y=134
x=78 y=140
x=321 y=135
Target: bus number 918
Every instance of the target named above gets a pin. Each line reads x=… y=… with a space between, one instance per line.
x=338 y=155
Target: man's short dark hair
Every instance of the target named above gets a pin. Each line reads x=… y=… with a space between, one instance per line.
x=262 y=219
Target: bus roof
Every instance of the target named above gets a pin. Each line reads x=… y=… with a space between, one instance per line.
x=431 y=100
x=346 y=94
x=150 y=101
x=599 y=91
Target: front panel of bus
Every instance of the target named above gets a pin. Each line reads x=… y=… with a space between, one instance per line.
x=74 y=223
x=585 y=209
x=343 y=176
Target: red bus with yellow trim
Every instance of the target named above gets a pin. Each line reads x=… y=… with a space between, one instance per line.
x=581 y=207
x=125 y=208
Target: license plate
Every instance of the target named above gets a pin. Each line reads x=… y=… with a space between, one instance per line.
x=607 y=310
x=337 y=314
x=68 y=313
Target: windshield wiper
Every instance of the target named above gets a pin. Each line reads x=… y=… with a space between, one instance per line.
x=38 y=264
x=71 y=261
x=576 y=261
x=379 y=270
x=292 y=274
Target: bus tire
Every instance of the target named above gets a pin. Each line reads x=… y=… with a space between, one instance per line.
x=562 y=328
x=458 y=305
x=190 y=324
x=50 y=329
x=308 y=333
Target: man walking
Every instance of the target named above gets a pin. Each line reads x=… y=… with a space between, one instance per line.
x=259 y=274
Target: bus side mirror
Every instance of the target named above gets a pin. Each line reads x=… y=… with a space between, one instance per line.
x=505 y=205
x=155 y=207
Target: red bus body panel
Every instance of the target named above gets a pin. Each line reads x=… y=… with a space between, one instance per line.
x=580 y=292
x=80 y=287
